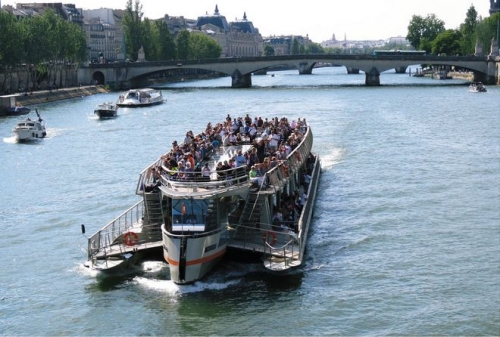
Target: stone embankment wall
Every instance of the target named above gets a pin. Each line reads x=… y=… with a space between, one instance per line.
x=46 y=96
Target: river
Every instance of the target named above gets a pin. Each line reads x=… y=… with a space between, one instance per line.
x=405 y=238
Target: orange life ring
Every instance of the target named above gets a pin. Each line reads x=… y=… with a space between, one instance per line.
x=271 y=234
x=130 y=239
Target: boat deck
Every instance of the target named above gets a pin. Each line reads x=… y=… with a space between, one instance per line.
x=120 y=249
x=252 y=240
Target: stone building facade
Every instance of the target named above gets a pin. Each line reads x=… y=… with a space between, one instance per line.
x=238 y=38
x=104 y=31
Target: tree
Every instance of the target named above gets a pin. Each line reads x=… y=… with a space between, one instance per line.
x=486 y=30
x=166 y=45
x=468 y=30
x=419 y=28
x=132 y=29
x=150 y=39
x=447 y=42
x=295 y=47
x=268 y=50
x=9 y=39
x=182 y=43
x=9 y=45
x=314 y=48
x=202 y=46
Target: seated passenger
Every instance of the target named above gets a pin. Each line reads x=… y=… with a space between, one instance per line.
x=255 y=176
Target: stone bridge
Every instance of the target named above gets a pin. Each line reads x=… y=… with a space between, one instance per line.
x=133 y=74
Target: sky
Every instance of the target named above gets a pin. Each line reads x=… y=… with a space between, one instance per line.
x=318 y=19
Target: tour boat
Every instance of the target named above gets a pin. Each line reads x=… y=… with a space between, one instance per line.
x=140 y=98
x=106 y=110
x=477 y=87
x=195 y=210
x=29 y=129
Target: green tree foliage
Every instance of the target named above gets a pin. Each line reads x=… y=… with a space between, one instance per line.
x=468 y=30
x=314 y=48
x=167 y=49
x=268 y=50
x=420 y=28
x=447 y=43
x=295 y=50
x=132 y=29
x=10 y=37
x=182 y=42
x=486 y=31
x=41 y=42
x=149 y=37
x=202 y=46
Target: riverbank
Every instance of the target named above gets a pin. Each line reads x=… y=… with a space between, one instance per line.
x=45 y=96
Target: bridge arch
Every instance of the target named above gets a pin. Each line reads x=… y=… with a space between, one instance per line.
x=98 y=78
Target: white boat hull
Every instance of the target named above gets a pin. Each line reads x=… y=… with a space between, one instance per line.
x=192 y=257
x=27 y=135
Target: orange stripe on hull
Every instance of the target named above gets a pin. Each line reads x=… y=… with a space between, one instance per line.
x=197 y=261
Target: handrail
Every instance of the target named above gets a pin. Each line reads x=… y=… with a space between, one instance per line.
x=107 y=235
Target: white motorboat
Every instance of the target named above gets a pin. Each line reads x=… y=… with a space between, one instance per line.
x=106 y=110
x=477 y=87
x=140 y=98
x=29 y=129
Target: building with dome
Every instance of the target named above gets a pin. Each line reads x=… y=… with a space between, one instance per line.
x=238 y=38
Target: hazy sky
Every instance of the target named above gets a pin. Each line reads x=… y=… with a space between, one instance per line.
x=320 y=19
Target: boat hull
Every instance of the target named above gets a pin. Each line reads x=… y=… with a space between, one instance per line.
x=24 y=135
x=192 y=257
x=106 y=113
x=137 y=105
x=18 y=111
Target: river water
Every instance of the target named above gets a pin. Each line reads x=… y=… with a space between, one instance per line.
x=405 y=238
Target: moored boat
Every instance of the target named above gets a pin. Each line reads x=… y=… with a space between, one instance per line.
x=140 y=98
x=106 y=110
x=18 y=110
x=29 y=129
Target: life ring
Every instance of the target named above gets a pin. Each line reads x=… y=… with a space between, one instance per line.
x=270 y=234
x=130 y=239
x=297 y=155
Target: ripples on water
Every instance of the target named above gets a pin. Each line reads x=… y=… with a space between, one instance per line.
x=405 y=237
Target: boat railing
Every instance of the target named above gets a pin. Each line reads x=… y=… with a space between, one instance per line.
x=108 y=235
x=196 y=180
x=306 y=214
x=282 y=242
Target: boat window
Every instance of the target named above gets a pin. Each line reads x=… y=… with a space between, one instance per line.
x=189 y=211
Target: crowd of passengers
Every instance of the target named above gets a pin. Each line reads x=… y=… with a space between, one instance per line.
x=272 y=141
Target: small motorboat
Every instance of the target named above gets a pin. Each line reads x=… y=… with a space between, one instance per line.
x=477 y=87
x=18 y=110
x=106 y=110
x=29 y=129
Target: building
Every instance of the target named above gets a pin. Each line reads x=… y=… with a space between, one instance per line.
x=104 y=30
x=67 y=11
x=238 y=38
x=494 y=6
